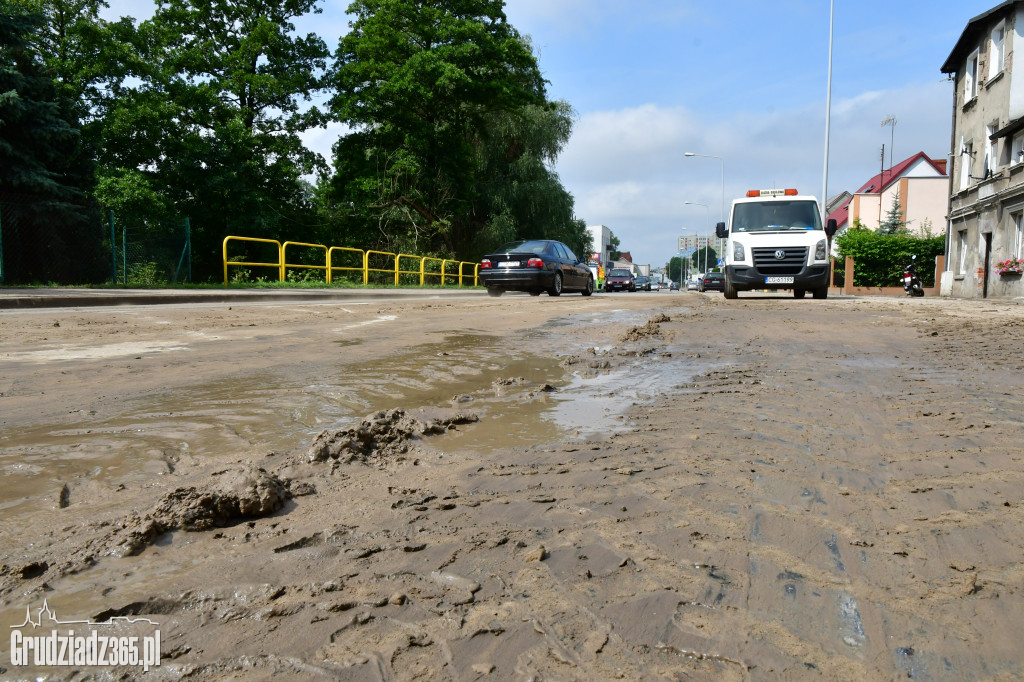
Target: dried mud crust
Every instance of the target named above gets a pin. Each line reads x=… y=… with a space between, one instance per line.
x=834 y=495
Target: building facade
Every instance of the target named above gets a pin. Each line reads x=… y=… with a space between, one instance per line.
x=601 y=237
x=986 y=179
x=918 y=185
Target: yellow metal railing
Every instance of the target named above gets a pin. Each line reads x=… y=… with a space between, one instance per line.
x=389 y=263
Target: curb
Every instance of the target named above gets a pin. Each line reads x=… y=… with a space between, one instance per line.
x=74 y=298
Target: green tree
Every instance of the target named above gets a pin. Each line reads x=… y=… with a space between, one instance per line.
x=51 y=230
x=704 y=260
x=517 y=192
x=422 y=84
x=675 y=269
x=894 y=222
x=211 y=120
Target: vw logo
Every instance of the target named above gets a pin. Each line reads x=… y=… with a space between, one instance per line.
x=780 y=254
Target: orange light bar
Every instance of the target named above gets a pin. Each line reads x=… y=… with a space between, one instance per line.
x=772 y=192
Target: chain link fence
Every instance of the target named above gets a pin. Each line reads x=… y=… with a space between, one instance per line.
x=49 y=242
x=43 y=241
x=150 y=252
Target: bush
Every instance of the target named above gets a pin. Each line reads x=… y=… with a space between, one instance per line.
x=879 y=258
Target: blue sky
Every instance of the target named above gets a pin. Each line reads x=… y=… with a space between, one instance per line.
x=743 y=80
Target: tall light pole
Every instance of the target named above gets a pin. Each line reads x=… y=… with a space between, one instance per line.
x=828 y=113
x=706 y=243
x=682 y=268
x=708 y=156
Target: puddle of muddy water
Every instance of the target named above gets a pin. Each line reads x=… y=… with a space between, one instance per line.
x=509 y=390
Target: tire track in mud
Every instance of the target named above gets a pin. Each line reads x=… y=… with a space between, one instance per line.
x=819 y=503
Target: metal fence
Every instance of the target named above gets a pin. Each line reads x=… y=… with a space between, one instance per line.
x=150 y=253
x=43 y=241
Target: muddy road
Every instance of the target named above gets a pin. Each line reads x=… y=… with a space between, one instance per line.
x=662 y=486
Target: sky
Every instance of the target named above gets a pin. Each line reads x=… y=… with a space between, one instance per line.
x=742 y=84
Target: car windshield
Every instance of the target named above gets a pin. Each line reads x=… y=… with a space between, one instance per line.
x=775 y=215
x=714 y=275
x=620 y=273
x=527 y=246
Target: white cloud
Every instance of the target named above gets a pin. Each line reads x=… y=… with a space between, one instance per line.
x=626 y=168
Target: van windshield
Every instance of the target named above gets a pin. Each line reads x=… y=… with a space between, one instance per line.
x=775 y=216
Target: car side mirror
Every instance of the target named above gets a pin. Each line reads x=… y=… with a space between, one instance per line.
x=720 y=231
x=831 y=227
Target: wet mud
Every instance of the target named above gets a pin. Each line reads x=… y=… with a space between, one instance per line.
x=666 y=487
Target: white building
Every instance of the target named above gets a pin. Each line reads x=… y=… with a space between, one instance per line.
x=600 y=235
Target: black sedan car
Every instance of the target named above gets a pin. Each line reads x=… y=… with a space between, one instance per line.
x=535 y=265
x=713 y=281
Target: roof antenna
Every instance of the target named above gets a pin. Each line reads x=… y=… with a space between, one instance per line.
x=890 y=121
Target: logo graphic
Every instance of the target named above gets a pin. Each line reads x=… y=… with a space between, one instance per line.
x=779 y=254
x=59 y=649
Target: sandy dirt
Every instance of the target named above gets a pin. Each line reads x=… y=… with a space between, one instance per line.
x=650 y=486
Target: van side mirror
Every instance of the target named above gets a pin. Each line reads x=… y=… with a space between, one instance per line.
x=720 y=231
x=831 y=227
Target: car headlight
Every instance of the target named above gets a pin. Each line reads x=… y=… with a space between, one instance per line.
x=738 y=252
x=820 y=250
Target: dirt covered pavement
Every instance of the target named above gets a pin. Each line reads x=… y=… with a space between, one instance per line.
x=662 y=486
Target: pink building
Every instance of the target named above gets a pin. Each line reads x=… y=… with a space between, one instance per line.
x=919 y=183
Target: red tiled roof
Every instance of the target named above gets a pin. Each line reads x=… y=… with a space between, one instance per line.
x=625 y=255
x=880 y=182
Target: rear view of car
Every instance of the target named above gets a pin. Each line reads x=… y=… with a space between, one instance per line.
x=713 y=281
x=535 y=266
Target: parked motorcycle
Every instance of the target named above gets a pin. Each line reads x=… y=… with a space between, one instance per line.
x=911 y=281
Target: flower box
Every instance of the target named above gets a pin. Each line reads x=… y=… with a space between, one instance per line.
x=1010 y=266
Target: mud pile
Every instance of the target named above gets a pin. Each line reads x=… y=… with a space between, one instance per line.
x=250 y=492
x=384 y=436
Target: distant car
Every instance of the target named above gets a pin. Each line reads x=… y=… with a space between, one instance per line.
x=713 y=281
x=535 y=265
x=674 y=286
x=619 y=279
x=691 y=285
x=643 y=282
x=655 y=285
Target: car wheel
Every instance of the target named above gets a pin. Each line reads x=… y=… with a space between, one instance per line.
x=730 y=290
x=494 y=291
x=821 y=292
x=589 y=289
x=556 y=285
x=798 y=293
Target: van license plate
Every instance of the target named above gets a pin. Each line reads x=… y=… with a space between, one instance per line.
x=778 y=280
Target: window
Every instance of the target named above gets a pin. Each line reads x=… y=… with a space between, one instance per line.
x=966 y=161
x=962 y=252
x=971 y=78
x=1017 y=148
x=990 y=152
x=997 y=41
x=1018 y=233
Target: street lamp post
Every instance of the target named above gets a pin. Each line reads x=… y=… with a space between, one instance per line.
x=706 y=243
x=708 y=156
x=682 y=266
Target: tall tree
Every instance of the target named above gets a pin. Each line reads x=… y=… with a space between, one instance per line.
x=894 y=222
x=420 y=81
x=519 y=195
x=211 y=121
x=51 y=231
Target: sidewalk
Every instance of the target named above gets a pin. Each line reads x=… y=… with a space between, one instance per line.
x=55 y=297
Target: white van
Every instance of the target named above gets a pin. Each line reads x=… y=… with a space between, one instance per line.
x=776 y=241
